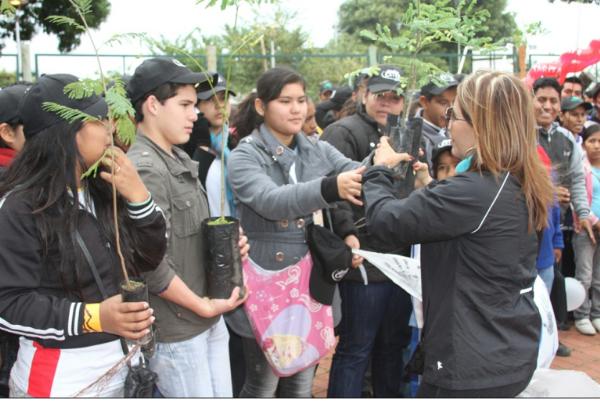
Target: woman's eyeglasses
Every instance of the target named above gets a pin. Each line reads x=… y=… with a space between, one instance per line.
x=451 y=116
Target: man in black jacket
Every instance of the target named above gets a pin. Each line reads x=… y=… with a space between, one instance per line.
x=375 y=312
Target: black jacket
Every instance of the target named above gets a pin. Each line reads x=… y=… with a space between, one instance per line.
x=35 y=301
x=432 y=135
x=356 y=136
x=482 y=326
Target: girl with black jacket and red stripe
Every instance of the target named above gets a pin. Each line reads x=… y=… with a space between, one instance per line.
x=48 y=295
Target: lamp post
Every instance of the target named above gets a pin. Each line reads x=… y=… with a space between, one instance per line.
x=458 y=52
x=18 y=4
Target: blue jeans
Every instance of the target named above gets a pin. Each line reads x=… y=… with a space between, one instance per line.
x=547 y=275
x=374 y=324
x=262 y=382
x=198 y=367
x=587 y=271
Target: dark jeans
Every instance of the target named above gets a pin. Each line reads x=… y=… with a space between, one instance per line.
x=374 y=323
x=261 y=381
x=236 y=362
x=558 y=295
x=9 y=347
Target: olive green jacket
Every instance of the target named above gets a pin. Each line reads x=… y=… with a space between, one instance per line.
x=174 y=185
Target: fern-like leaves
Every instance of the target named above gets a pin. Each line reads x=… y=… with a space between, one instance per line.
x=69 y=114
x=84 y=88
x=64 y=20
x=120 y=111
x=84 y=6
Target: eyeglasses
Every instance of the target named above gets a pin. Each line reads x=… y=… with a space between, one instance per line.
x=451 y=115
x=388 y=96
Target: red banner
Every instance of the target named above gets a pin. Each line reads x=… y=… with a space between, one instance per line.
x=569 y=62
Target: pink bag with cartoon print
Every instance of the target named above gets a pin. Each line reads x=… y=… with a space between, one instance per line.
x=292 y=329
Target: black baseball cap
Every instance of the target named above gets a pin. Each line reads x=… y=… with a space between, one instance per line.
x=440 y=147
x=386 y=79
x=153 y=73
x=205 y=91
x=50 y=88
x=10 y=98
x=446 y=81
x=332 y=259
x=338 y=99
x=326 y=86
x=570 y=103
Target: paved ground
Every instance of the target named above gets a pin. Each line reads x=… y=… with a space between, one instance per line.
x=585 y=357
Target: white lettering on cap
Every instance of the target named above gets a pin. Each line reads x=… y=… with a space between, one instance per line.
x=447 y=77
x=177 y=62
x=445 y=143
x=391 y=74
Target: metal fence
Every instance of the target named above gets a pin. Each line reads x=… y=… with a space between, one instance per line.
x=87 y=65
x=320 y=66
x=9 y=62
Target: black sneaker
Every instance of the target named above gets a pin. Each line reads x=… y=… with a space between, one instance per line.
x=563 y=351
x=563 y=326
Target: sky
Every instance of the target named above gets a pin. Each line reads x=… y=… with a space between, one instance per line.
x=569 y=26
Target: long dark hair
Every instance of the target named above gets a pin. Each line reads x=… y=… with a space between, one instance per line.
x=46 y=172
x=268 y=87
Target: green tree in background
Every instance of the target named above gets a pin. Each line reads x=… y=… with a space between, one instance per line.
x=425 y=25
x=356 y=15
x=6 y=78
x=291 y=48
x=34 y=16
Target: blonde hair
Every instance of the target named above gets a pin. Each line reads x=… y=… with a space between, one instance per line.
x=500 y=110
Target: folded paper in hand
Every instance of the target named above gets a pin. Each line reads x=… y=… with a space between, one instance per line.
x=402 y=270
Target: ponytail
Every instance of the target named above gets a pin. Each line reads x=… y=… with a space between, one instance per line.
x=246 y=119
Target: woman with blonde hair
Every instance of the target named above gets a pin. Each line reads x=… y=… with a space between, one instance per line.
x=479 y=243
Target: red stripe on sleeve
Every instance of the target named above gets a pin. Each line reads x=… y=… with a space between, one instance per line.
x=43 y=369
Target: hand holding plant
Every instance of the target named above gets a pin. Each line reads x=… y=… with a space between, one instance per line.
x=244 y=245
x=218 y=306
x=124 y=176
x=422 y=178
x=131 y=320
x=385 y=154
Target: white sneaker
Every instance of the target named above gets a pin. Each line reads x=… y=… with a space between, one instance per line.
x=596 y=323
x=584 y=326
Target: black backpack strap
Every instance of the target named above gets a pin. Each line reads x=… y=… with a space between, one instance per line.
x=90 y=261
x=97 y=279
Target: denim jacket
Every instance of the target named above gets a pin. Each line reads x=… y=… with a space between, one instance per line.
x=272 y=205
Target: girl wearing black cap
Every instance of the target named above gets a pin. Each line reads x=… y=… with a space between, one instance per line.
x=12 y=138
x=59 y=269
x=279 y=179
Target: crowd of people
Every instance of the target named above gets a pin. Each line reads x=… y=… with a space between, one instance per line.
x=507 y=177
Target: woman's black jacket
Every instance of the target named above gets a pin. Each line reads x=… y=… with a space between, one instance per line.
x=478 y=267
x=39 y=303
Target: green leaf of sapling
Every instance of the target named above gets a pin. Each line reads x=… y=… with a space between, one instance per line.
x=69 y=114
x=63 y=20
